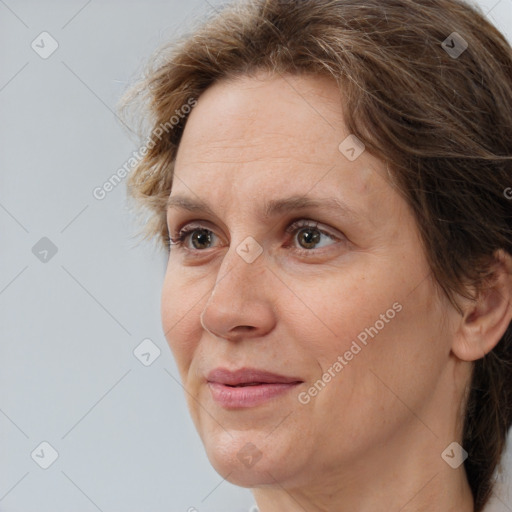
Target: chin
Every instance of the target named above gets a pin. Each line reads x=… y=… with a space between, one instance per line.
x=247 y=458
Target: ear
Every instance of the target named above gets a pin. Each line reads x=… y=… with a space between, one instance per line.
x=485 y=320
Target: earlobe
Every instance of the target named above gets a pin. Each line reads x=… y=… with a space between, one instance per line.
x=486 y=319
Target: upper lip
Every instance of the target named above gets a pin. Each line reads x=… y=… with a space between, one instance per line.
x=248 y=376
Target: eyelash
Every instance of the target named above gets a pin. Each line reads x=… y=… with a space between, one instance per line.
x=180 y=239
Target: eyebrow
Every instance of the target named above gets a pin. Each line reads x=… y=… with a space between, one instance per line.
x=272 y=207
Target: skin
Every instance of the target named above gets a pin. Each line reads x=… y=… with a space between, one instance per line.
x=372 y=438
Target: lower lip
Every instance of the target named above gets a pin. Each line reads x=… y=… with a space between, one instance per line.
x=247 y=396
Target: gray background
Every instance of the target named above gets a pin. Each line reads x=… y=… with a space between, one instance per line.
x=69 y=325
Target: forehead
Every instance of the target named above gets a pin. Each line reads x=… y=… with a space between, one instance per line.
x=269 y=135
x=267 y=113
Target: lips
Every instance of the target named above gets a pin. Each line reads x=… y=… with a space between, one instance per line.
x=248 y=387
x=248 y=377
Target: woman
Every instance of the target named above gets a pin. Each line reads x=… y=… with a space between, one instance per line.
x=330 y=179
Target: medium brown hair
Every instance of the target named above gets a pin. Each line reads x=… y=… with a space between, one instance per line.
x=443 y=124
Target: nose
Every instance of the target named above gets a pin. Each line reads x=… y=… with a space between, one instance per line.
x=241 y=303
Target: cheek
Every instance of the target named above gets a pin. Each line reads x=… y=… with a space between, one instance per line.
x=341 y=310
x=374 y=323
x=395 y=349
x=180 y=309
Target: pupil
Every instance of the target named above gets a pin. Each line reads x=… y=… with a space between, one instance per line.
x=201 y=237
x=311 y=240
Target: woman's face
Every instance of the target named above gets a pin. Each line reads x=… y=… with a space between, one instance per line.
x=334 y=299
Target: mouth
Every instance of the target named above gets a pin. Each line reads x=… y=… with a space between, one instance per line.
x=248 y=387
x=248 y=377
x=246 y=384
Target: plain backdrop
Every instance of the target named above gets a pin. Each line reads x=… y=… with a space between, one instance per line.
x=77 y=294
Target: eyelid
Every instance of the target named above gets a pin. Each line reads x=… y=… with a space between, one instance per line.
x=190 y=224
x=193 y=225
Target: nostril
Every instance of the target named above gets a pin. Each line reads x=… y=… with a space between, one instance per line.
x=246 y=327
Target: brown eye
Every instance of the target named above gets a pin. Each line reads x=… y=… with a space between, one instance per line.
x=309 y=237
x=200 y=237
x=306 y=235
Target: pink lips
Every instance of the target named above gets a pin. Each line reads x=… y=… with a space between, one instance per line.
x=247 y=387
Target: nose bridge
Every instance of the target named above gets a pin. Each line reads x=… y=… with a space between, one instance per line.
x=242 y=268
x=238 y=296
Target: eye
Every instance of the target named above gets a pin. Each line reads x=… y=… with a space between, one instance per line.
x=198 y=234
x=307 y=234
